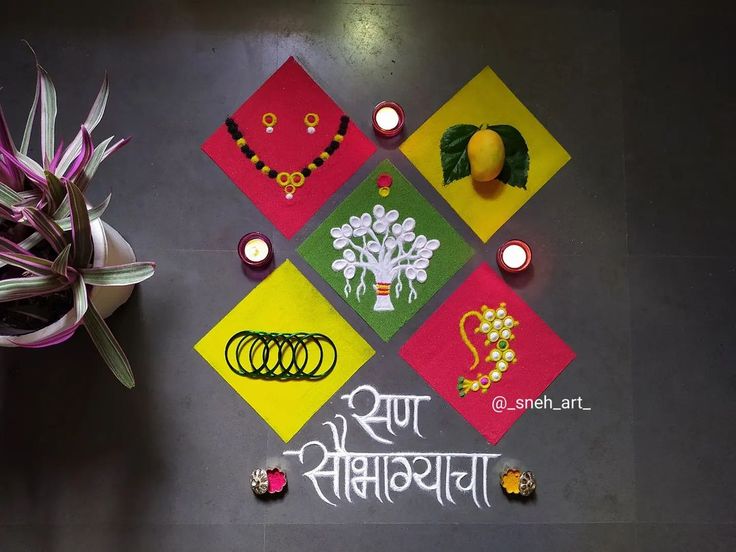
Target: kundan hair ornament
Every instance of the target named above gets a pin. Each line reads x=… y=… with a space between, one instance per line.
x=281 y=356
x=497 y=325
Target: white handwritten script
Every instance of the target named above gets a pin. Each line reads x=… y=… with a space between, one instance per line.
x=391 y=405
x=344 y=474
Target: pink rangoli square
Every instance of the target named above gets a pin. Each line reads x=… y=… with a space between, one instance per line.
x=483 y=343
x=292 y=103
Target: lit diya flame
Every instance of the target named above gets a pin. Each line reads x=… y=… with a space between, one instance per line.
x=255 y=250
x=514 y=256
x=388 y=119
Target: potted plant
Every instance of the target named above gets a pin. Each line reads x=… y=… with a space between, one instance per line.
x=60 y=265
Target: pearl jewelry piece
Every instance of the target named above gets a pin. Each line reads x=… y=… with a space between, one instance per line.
x=269 y=129
x=311 y=130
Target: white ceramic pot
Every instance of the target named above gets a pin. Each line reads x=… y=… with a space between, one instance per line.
x=109 y=249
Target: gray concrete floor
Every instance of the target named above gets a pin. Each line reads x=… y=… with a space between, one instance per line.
x=635 y=264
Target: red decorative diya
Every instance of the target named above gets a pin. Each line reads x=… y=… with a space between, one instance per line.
x=388 y=119
x=514 y=256
x=255 y=250
x=276 y=480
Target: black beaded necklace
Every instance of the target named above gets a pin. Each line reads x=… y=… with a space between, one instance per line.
x=288 y=181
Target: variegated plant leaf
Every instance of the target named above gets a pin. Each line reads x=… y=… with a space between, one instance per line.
x=93 y=119
x=119 y=275
x=30 y=263
x=81 y=233
x=8 y=196
x=47 y=227
x=107 y=345
x=60 y=265
x=81 y=301
x=14 y=289
x=32 y=113
x=48 y=116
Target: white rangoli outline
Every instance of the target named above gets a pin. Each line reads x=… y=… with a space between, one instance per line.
x=379 y=244
x=346 y=474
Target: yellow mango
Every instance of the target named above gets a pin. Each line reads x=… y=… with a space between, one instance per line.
x=486 y=154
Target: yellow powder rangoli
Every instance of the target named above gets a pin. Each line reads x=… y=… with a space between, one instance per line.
x=497 y=325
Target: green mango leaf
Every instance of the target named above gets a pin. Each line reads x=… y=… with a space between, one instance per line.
x=516 y=165
x=454 y=152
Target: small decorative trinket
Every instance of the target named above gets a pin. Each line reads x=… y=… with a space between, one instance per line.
x=276 y=480
x=527 y=483
x=311 y=120
x=271 y=481
x=269 y=121
x=255 y=250
x=259 y=481
x=388 y=119
x=384 y=182
x=514 y=481
x=514 y=256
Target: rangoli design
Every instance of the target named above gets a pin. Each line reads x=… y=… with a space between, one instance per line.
x=439 y=352
x=465 y=171
x=289 y=181
x=289 y=372
x=288 y=147
x=497 y=325
x=386 y=248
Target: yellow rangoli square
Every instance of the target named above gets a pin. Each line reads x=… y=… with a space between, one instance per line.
x=286 y=302
x=485 y=206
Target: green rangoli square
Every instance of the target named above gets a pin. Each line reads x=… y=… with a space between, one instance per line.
x=385 y=256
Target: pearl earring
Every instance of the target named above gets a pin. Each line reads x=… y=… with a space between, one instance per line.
x=311 y=120
x=269 y=121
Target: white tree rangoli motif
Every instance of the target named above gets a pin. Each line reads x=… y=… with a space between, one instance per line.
x=379 y=244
